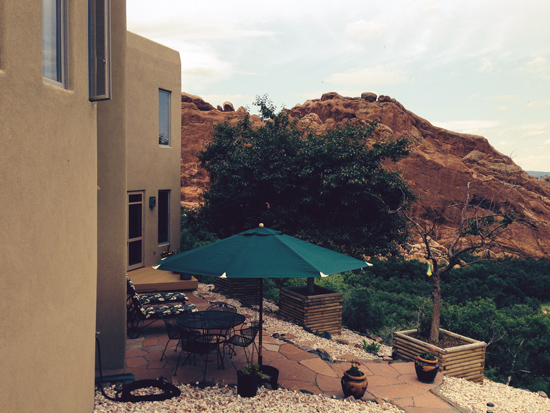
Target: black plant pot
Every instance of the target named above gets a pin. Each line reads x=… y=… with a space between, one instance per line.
x=247 y=385
x=426 y=370
x=273 y=376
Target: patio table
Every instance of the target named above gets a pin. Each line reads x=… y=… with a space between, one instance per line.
x=210 y=320
x=212 y=328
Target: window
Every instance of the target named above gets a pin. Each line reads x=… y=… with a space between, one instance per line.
x=99 y=49
x=164 y=217
x=164 y=117
x=54 y=47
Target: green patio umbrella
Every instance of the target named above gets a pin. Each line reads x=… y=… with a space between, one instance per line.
x=261 y=253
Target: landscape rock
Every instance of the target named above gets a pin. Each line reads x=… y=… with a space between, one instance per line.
x=228 y=107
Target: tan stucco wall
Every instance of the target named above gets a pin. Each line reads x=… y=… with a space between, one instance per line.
x=111 y=203
x=48 y=219
x=151 y=167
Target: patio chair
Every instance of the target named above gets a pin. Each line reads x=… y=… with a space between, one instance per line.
x=221 y=306
x=154 y=298
x=174 y=333
x=194 y=343
x=139 y=317
x=244 y=339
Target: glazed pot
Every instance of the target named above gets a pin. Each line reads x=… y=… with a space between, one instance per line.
x=354 y=385
x=426 y=370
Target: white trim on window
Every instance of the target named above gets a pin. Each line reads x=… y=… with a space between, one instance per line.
x=54 y=42
x=164 y=117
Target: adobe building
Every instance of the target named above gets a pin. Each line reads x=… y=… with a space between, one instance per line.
x=83 y=105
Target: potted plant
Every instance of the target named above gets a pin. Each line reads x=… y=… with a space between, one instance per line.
x=354 y=381
x=248 y=380
x=167 y=252
x=426 y=366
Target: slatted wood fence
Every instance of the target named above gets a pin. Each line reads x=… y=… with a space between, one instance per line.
x=320 y=312
x=465 y=361
x=246 y=290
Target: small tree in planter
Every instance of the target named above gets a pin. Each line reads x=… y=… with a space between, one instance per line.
x=482 y=225
x=480 y=231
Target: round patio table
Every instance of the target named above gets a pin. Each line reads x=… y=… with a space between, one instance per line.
x=210 y=320
x=212 y=329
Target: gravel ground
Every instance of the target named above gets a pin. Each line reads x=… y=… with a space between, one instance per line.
x=505 y=399
x=225 y=399
x=466 y=394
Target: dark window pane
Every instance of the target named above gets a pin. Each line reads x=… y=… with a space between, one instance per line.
x=164 y=217
x=134 y=197
x=134 y=253
x=134 y=221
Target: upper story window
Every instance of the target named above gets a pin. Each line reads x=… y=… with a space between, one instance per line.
x=164 y=117
x=54 y=41
x=99 y=49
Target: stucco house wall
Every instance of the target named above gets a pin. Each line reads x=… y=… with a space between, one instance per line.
x=152 y=167
x=48 y=219
x=64 y=174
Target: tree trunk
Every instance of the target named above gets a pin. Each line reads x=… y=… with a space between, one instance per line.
x=436 y=314
x=311 y=285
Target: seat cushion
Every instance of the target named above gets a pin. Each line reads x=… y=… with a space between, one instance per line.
x=161 y=297
x=168 y=310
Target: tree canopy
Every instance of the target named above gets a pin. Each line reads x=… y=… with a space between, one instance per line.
x=329 y=188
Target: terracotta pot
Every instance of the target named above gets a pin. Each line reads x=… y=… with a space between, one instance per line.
x=426 y=370
x=354 y=385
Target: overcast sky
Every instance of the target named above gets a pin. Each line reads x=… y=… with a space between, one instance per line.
x=478 y=67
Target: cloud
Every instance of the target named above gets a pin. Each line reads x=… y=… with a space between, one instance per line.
x=486 y=66
x=539 y=66
x=369 y=76
x=538 y=104
x=501 y=109
x=474 y=126
x=502 y=98
x=363 y=30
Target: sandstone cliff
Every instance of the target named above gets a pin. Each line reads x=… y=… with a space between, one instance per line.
x=439 y=168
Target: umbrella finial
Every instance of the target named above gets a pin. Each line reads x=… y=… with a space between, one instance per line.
x=261 y=225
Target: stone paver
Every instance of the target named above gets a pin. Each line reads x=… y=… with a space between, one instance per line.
x=271 y=347
x=294 y=353
x=292 y=370
x=396 y=391
x=318 y=366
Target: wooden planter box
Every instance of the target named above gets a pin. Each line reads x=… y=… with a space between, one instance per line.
x=465 y=361
x=319 y=312
x=246 y=290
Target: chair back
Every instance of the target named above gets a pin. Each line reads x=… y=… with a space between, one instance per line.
x=173 y=331
x=130 y=288
x=221 y=306
x=250 y=332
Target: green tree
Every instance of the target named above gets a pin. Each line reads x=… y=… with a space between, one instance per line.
x=329 y=188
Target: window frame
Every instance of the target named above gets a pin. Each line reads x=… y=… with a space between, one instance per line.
x=165 y=122
x=99 y=50
x=61 y=44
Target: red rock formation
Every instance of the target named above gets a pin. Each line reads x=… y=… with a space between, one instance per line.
x=440 y=166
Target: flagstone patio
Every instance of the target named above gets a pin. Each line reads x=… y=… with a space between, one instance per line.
x=299 y=370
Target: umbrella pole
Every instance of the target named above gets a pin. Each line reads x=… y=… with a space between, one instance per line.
x=260 y=357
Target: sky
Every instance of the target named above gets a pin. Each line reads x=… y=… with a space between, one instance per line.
x=478 y=67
